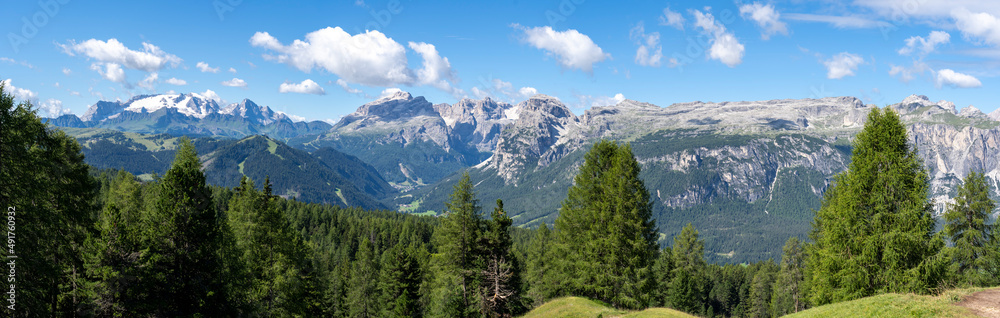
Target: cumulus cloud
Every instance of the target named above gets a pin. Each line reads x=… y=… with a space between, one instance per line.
x=368 y=58
x=50 y=107
x=175 y=81
x=210 y=94
x=907 y=74
x=306 y=87
x=347 y=88
x=725 y=47
x=149 y=83
x=67 y=71
x=766 y=18
x=500 y=89
x=924 y=46
x=232 y=70
x=672 y=19
x=206 y=69
x=110 y=71
x=841 y=65
x=571 y=48
x=954 y=79
x=585 y=101
x=527 y=92
x=982 y=26
x=650 y=52
x=389 y=92
x=437 y=70
x=235 y=82
x=150 y=59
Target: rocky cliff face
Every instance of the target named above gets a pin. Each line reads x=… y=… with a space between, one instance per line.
x=950 y=153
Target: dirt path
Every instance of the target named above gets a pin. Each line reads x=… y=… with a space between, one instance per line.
x=985 y=303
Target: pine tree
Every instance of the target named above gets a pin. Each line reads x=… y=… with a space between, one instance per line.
x=687 y=286
x=975 y=258
x=539 y=271
x=399 y=282
x=874 y=229
x=788 y=292
x=460 y=262
x=362 y=298
x=761 y=290
x=184 y=235
x=662 y=271
x=274 y=255
x=501 y=276
x=605 y=235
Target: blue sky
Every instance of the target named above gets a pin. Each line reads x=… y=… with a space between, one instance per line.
x=323 y=59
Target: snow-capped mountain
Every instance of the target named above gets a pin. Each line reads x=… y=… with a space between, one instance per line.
x=191 y=113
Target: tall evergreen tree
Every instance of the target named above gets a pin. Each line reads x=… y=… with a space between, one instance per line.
x=116 y=248
x=399 y=282
x=761 y=290
x=874 y=229
x=500 y=292
x=47 y=191
x=274 y=255
x=974 y=257
x=362 y=296
x=788 y=292
x=687 y=285
x=184 y=236
x=539 y=271
x=605 y=235
x=460 y=261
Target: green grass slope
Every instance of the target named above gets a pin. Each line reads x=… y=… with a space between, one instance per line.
x=896 y=305
x=582 y=307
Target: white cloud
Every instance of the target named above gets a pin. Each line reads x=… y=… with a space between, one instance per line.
x=111 y=71
x=175 y=81
x=982 y=26
x=347 y=88
x=149 y=82
x=437 y=70
x=210 y=94
x=841 y=65
x=924 y=46
x=585 y=101
x=650 y=52
x=235 y=82
x=955 y=79
x=725 y=47
x=526 y=92
x=13 y=61
x=67 y=71
x=766 y=18
x=51 y=107
x=671 y=18
x=306 y=87
x=232 y=70
x=368 y=58
x=571 y=48
x=150 y=59
x=389 y=92
x=844 y=22
x=206 y=69
x=906 y=74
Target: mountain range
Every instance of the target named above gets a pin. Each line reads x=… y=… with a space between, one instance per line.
x=747 y=174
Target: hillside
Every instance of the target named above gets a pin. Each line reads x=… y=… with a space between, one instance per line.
x=325 y=176
x=582 y=307
x=899 y=305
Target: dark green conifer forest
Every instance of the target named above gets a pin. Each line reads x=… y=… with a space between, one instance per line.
x=103 y=243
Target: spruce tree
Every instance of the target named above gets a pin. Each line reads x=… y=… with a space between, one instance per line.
x=274 y=255
x=362 y=296
x=460 y=254
x=788 y=292
x=399 y=282
x=689 y=276
x=974 y=256
x=115 y=250
x=874 y=229
x=605 y=235
x=183 y=239
x=500 y=293
x=539 y=271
